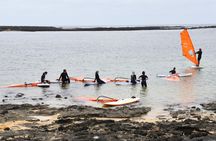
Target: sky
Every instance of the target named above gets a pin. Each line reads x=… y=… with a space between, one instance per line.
x=106 y=12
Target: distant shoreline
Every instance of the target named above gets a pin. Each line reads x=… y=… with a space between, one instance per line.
x=124 y=28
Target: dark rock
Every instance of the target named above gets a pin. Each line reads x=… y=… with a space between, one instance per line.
x=58 y=96
x=7 y=129
x=3 y=112
x=84 y=123
x=64 y=120
x=198 y=109
x=209 y=106
x=198 y=134
x=19 y=95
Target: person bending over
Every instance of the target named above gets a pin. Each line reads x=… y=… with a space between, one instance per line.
x=64 y=77
x=173 y=71
x=133 y=78
x=97 y=78
x=43 y=76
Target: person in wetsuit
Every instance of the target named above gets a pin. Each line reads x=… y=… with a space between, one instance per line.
x=64 y=77
x=173 y=71
x=97 y=78
x=43 y=77
x=199 y=55
x=143 y=79
x=133 y=78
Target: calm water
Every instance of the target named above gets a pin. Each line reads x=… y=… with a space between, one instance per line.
x=26 y=55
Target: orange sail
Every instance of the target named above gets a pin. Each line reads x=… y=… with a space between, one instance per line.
x=187 y=47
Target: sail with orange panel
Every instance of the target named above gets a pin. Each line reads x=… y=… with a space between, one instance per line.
x=187 y=47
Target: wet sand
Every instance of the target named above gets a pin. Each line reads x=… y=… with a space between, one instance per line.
x=40 y=122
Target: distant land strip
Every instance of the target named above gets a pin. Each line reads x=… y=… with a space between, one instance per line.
x=52 y=28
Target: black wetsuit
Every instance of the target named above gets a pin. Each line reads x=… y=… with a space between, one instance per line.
x=173 y=71
x=199 y=55
x=144 y=78
x=64 y=77
x=98 y=80
x=43 y=77
x=133 y=79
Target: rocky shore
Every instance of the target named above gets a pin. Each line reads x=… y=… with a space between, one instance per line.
x=124 y=28
x=40 y=122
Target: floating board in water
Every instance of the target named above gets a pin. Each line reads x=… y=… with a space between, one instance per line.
x=55 y=82
x=184 y=74
x=90 y=84
x=34 y=84
x=43 y=85
x=122 y=102
x=126 y=83
x=82 y=79
x=88 y=79
x=178 y=74
x=99 y=99
x=119 y=79
x=172 y=78
x=197 y=67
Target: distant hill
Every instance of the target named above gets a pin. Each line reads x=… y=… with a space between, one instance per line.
x=126 y=28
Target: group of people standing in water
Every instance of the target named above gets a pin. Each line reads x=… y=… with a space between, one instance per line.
x=65 y=79
x=133 y=79
x=143 y=78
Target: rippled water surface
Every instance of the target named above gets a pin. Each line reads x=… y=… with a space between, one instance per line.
x=26 y=55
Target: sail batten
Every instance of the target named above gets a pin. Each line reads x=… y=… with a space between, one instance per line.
x=187 y=47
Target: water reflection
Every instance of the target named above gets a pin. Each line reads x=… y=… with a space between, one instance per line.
x=45 y=90
x=65 y=86
x=97 y=87
x=187 y=92
x=143 y=90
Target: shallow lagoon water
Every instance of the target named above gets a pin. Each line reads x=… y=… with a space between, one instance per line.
x=26 y=55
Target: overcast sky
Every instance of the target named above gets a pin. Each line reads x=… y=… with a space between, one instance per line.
x=106 y=12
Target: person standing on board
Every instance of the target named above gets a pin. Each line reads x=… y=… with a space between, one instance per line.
x=173 y=71
x=64 y=77
x=97 y=78
x=143 y=79
x=43 y=78
x=199 y=55
x=133 y=78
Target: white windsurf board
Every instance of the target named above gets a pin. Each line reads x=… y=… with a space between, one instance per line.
x=122 y=102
